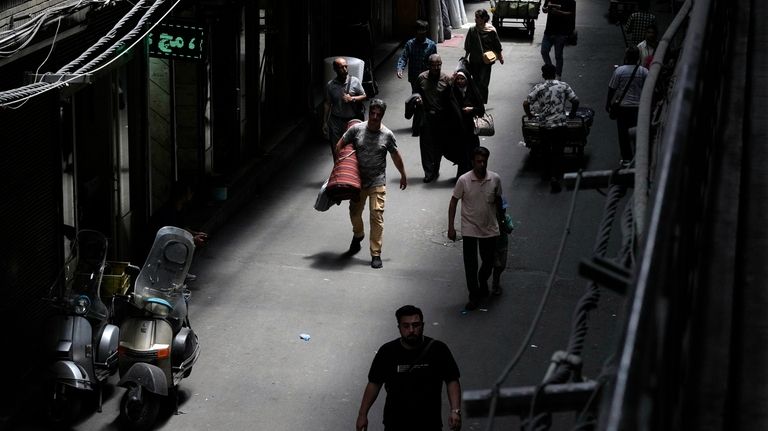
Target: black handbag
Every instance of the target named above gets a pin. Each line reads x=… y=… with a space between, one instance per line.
x=371 y=88
x=572 y=39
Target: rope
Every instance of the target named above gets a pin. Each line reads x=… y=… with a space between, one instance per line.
x=590 y=299
x=539 y=311
x=103 y=41
x=628 y=231
x=587 y=302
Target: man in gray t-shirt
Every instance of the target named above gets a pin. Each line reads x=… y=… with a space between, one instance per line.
x=372 y=141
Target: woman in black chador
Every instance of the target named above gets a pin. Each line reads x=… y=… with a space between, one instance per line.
x=469 y=104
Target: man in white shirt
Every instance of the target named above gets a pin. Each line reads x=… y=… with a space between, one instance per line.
x=480 y=193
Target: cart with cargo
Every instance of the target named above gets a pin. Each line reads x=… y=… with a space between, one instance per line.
x=578 y=130
x=517 y=12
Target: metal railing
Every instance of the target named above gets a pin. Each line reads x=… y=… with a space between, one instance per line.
x=671 y=188
x=653 y=86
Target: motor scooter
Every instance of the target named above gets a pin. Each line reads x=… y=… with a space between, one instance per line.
x=157 y=347
x=79 y=341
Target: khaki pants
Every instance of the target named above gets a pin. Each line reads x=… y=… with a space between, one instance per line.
x=377 y=197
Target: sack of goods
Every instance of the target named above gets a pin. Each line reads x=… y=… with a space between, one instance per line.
x=344 y=182
x=323 y=202
x=484 y=125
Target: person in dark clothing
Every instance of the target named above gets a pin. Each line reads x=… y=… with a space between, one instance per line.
x=433 y=87
x=468 y=104
x=560 y=24
x=414 y=58
x=480 y=38
x=412 y=369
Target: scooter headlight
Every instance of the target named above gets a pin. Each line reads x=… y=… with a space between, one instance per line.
x=81 y=304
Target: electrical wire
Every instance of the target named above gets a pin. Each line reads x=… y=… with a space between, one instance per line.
x=23 y=34
x=26 y=42
x=28 y=93
x=53 y=43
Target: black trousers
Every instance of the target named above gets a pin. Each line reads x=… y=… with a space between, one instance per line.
x=626 y=118
x=477 y=280
x=553 y=143
x=431 y=139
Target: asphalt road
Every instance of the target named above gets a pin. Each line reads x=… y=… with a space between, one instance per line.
x=275 y=271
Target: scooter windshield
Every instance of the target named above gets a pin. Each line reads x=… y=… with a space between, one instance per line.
x=83 y=272
x=164 y=272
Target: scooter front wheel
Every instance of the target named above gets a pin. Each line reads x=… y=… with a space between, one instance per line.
x=64 y=405
x=139 y=407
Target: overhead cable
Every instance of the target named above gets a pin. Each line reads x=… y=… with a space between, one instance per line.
x=122 y=46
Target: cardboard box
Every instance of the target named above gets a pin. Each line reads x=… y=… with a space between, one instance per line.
x=115 y=281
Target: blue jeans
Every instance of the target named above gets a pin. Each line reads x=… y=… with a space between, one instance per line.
x=558 y=41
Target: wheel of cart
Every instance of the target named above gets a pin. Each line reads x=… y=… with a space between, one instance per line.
x=516 y=12
x=578 y=130
x=531 y=27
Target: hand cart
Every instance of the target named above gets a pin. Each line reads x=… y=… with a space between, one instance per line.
x=519 y=12
x=578 y=130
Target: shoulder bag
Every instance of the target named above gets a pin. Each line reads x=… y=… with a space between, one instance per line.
x=489 y=57
x=614 y=109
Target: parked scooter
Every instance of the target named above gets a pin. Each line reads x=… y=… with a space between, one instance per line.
x=79 y=340
x=157 y=347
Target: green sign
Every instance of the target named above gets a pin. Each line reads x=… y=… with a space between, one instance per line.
x=176 y=41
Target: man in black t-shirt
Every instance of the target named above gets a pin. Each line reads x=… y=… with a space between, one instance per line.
x=412 y=369
x=561 y=22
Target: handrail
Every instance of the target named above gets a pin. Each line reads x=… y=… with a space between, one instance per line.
x=623 y=404
x=643 y=129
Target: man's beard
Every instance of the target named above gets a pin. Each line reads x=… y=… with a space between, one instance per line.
x=412 y=340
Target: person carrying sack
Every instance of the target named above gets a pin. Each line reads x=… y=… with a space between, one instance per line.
x=481 y=44
x=344 y=97
x=371 y=141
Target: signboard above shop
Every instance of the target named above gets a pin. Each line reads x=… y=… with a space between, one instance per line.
x=180 y=41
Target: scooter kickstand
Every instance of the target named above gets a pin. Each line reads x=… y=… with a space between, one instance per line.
x=176 y=400
x=101 y=398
